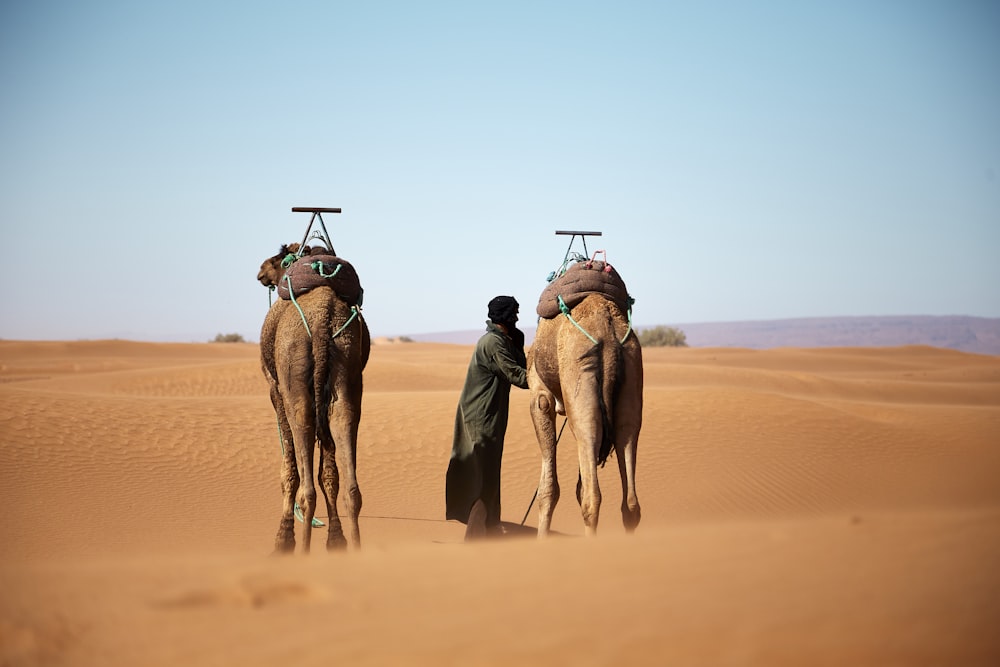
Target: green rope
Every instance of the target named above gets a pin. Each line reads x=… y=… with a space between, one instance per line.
x=291 y=294
x=558 y=273
x=354 y=314
x=318 y=268
x=316 y=523
x=628 y=332
x=288 y=260
x=565 y=311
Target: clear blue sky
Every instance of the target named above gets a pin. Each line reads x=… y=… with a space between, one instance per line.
x=743 y=160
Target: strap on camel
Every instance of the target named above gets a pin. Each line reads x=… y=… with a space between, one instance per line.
x=318 y=268
x=354 y=314
x=355 y=311
x=628 y=332
x=286 y=262
x=566 y=311
x=291 y=293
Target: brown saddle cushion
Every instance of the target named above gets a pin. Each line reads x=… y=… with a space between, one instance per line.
x=312 y=271
x=581 y=279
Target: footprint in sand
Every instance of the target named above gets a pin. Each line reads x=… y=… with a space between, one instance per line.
x=42 y=641
x=254 y=591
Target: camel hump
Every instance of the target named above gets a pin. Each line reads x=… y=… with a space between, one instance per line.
x=311 y=271
x=579 y=280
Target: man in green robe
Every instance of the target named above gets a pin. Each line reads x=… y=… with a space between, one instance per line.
x=472 y=486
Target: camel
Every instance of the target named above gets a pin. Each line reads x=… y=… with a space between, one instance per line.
x=313 y=356
x=590 y=371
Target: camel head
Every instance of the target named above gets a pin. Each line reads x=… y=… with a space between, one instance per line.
x=272 y=268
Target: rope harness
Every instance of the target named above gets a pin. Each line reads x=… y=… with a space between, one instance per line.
x=565 y=310
x=286 y=262
x=318 y=267
x=291 y=293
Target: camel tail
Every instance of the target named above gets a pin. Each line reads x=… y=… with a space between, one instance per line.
x=612 y=363
x=321 y=347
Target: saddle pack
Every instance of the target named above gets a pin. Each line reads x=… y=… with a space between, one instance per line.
x=311 y=271
x=579 y=280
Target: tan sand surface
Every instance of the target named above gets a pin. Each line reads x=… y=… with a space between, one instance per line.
x=800 y=507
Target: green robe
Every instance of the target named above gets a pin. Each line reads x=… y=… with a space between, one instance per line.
x=480 y=425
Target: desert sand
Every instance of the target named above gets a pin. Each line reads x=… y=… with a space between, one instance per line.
x=800 y=507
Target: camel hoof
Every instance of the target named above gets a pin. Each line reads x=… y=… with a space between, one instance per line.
x=284 y=547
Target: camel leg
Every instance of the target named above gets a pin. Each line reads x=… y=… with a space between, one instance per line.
x=284 y=542
x=585 y=414
x=345 y=415
x=544 y=419
x=306 y=496
x=302 y=420
x=631 y=513
x=329 y=481
x=626 y=443
x=628 y=422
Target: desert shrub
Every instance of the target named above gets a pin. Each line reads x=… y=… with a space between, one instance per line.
x=662 y=336
x=405 y=339
x=228 y=338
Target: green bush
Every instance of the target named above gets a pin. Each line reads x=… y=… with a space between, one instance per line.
x=662 y=336
x=228 y=338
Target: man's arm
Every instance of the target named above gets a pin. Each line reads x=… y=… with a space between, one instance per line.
x=509 y=367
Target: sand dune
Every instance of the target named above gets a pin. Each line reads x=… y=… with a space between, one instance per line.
x=800 y=506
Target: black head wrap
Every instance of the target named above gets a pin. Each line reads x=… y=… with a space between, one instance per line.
x=503 y=310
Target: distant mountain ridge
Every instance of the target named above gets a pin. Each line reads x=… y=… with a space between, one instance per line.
x=969 y=334
x=980 y=335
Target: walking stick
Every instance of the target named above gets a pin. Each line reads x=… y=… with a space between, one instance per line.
x=531 y=504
